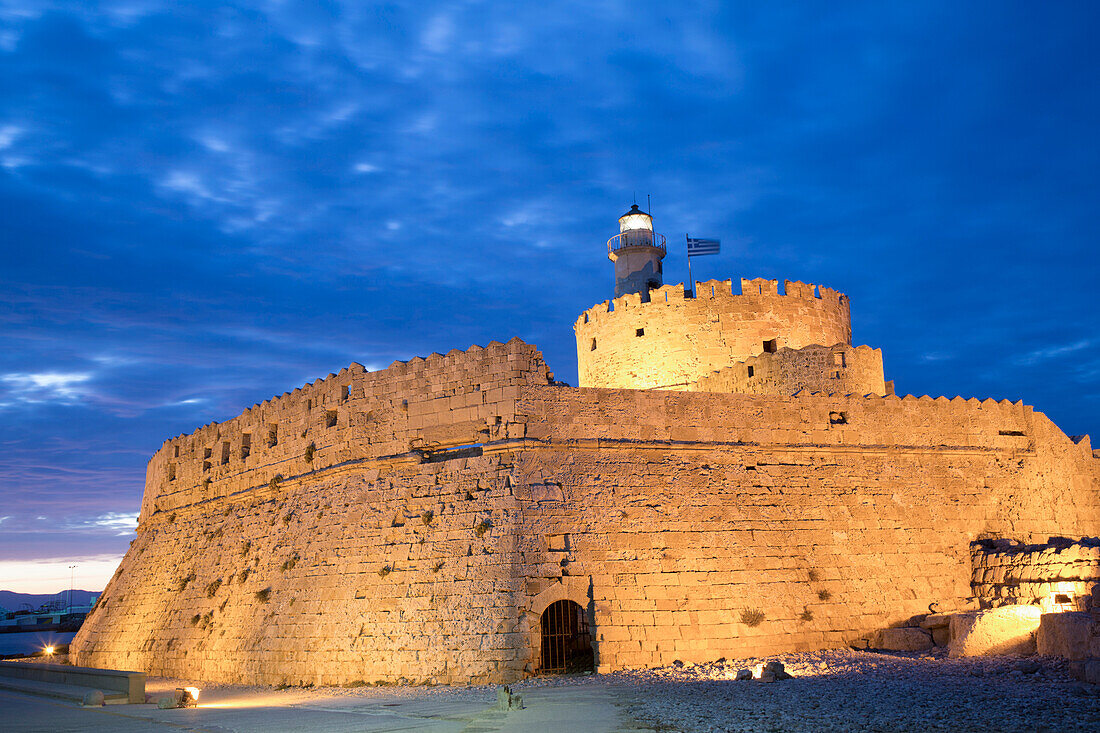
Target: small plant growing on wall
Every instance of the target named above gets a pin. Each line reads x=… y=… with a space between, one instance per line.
x=807 y=615
x=290 y=562
x=247 y=546
x=274 y=482
x=171 y=518
x=437 y=566
x=287 y=517
x=195 y=619
x=212 y=588
x=243 y=575
x=824 y=594
x=311 y=449
x=384 y=571
x=263 y=595
x=482 y=527
x=182 y=582
x=752 y=617
x=427 y=516
x=813 y=575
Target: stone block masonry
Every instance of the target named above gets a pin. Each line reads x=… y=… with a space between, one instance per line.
x=412 y=524
x=1057 y=575
x=672 y=341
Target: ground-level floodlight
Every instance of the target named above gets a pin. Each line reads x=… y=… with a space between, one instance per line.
x=183 y=697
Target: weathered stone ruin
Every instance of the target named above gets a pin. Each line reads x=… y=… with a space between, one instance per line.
x=732 y=478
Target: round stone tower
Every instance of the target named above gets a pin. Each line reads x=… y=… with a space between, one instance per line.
x=637 y=252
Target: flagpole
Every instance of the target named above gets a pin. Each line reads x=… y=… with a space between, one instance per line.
x=691 y=279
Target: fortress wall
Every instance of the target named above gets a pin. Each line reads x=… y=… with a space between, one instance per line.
x=684 y=339
x=461 y=398
x=682 y=511
x=361 y=583
x=839 y=369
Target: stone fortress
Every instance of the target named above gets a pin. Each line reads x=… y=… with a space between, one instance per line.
x=732 y=478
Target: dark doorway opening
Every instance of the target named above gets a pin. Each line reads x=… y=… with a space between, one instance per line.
x=566 y=643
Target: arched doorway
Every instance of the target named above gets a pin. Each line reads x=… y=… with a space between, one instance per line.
x=566 y=643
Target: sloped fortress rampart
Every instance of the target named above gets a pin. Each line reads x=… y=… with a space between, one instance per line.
x=414 y=524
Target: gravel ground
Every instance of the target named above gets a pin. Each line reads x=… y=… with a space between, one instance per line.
x=847 y=690
x=834 y=690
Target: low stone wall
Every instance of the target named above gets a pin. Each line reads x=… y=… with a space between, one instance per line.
x=1057 y=575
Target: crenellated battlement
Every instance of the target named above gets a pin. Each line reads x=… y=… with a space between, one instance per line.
x=426 y=403
x=716 y=290
x=674 y=339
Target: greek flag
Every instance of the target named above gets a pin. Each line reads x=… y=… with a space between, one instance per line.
x=702 y=246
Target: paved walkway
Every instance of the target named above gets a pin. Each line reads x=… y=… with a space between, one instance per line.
x=592 y=708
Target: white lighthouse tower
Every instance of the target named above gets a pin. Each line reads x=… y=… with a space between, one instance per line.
x=637 y=252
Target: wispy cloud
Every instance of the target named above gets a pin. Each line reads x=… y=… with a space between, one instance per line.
x=45 y=386
x=1054 y=352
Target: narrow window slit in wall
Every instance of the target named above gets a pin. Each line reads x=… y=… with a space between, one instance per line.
x=272 y=435
x=751 y=371
x=171 y=472
x=330 y=418
x=225 y=452
x=771 y=346
x=177 y=451
x=246 y=445
x=586 y=318
x=345 y=391
x=839 y=360
x=207 y=452
x=639 y=332
x=838 y=418
x=593 y=345
x=206 y=465
x=309 y=404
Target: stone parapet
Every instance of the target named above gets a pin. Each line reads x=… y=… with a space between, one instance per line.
x=673 y=340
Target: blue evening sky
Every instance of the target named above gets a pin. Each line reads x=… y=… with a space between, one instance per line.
x=204 y=205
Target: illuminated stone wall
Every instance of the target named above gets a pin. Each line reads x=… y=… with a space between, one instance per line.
x=684 y=511
x=673 y=341
x=839 y=369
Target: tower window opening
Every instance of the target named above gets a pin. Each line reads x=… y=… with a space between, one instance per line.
x=177 y=452
x=225 y=452
x=566 y=641
x=171 y=472
x=206 y=465
x=309 y=404
x=345 y=392
x=207 y=452
x=593 y=345
x=751 y=371
x=839 y=360
x=330 y=418
x=639 y=332
x=272 y=435
x=771 y=346
x=246 y=445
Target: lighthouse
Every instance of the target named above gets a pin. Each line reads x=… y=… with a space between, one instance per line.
x=637 y=252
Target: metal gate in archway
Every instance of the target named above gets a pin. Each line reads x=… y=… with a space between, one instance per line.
x=566 y=642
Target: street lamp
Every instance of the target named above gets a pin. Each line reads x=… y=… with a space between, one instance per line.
x=72 y=570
